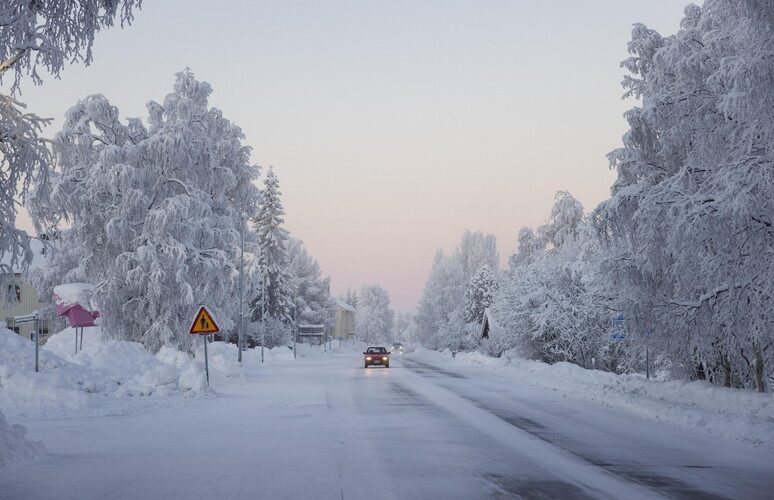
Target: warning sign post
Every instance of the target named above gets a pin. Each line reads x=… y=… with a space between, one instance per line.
x=204 y=324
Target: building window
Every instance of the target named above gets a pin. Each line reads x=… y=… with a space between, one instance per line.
x=14 y=293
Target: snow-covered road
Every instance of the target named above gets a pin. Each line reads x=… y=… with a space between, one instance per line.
x=324 y=427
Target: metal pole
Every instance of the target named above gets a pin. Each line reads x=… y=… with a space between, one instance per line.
x=81 y=348
x=37 y=343
x=241 y=289
x=206 y=361
x=76 y=340
x=263 y=312
x=295 y=331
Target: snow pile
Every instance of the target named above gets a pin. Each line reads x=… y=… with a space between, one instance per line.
x=741 y=415
x=67 y=380
x=59 y=383
x=112 y=369
x=13 y=446
x=127 y=368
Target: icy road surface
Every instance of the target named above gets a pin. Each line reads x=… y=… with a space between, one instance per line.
x=326 y=428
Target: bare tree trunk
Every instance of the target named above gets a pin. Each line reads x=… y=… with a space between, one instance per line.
x=758 y=370
x=725 y=365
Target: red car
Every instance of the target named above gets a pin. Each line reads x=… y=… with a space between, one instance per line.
x=377 y=356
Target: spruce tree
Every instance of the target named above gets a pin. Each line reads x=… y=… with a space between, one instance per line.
x=272 y=281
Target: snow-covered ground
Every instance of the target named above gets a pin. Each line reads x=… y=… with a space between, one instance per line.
x=321 y=426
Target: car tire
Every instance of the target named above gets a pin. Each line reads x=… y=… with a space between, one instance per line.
x=387 y=365
x=365 y=366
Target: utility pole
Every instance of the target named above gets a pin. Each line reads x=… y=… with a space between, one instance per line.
x=240 y=334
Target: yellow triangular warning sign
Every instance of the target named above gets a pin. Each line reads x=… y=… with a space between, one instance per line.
x=203 y=323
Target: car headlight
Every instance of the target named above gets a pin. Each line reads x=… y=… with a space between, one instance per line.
x=385 y=358
x=368 y=358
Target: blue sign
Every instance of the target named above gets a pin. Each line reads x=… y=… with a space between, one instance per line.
x=618 y=327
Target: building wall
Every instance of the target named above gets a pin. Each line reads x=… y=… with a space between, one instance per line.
x=28 y=303
x=345 y=323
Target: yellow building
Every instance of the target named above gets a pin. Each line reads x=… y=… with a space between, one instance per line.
x=345 y=321
x=20 y=298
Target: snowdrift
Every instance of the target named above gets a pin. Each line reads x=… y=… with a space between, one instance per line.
x=110 y=369
x=740 y=415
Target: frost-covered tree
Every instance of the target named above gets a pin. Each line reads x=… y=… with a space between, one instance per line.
x=479 y=295
x=49 y=33
x=529 y=248
x=444 y=292
x=566 y=217
x=551 y=304
x=446 y=285
x=150 y=215
x=690 y=216
x=273 y=332
x=475 y=251
x=350 y=297
x=33 y=35
x=312 y=302
x=23 y=159
x=403 y=326
x=374 y=317
x=273 y=286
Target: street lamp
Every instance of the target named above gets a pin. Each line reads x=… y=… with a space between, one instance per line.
x=240 y=333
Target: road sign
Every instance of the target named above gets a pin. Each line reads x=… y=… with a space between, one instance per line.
x=27 y=318
x=204 y=323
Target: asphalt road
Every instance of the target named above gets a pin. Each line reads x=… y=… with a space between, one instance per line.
x=324 y=427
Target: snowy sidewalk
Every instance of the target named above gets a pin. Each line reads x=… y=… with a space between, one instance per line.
x=739 y=415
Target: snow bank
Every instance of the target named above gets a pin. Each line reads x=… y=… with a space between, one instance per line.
x=59 y=384
x=112 y=369
x=106 y=369
x=126 y=367
x=13 y=445
x=740 y=415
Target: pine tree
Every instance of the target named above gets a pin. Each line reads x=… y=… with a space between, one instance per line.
x=272 y=284
x=311 y=292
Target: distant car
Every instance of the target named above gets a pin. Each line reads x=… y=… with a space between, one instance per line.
x=376 y=356
x=396 y=347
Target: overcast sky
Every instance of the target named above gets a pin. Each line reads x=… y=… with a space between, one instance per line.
x=392 y=126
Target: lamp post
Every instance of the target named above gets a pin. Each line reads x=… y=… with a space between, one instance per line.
x=263 y=312
x=240 y=334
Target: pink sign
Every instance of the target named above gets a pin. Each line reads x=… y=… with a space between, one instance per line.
x=67 y=302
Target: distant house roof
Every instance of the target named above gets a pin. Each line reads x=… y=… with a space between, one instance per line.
x=488 y=324
x=345 y=306
x=38 y=255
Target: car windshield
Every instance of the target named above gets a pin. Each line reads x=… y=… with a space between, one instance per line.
x=376 y=350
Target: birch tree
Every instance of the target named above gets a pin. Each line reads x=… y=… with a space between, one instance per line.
x=37 y=37
x=149 y=214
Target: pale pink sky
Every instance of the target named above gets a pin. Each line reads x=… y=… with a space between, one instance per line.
x=393 y=126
